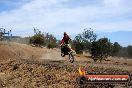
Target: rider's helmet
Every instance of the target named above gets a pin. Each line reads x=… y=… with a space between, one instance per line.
x=65 y=33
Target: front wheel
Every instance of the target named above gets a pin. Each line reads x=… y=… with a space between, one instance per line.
x=71 y=57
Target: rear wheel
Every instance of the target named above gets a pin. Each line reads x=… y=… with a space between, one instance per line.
x=62 y=54
x=71 y=57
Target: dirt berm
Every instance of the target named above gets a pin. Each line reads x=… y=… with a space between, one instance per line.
x=24 y=66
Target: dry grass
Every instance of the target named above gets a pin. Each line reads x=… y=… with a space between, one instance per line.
x=20 y=67
x=10 y=51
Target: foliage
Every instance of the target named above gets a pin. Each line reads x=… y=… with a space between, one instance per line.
x=101 y=49
x=38 y=39
x=79 y=47
x=120 y=51
x=41 y=39
x=50 y=41
x=116 y=49
x=83 y=41
x=129 y=49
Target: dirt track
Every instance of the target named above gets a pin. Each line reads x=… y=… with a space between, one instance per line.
x=23 y=66
x=54 y=55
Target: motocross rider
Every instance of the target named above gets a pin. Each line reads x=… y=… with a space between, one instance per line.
x=66 y=40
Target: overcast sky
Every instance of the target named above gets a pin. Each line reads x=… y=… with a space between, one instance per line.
x=72 y=16
x=57 y=16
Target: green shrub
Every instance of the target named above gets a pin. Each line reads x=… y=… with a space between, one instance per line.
x=83 y=41
x=101 y=49
x=41 y=39
x=38 y=39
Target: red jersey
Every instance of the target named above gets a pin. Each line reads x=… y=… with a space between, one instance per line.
x=66 y=39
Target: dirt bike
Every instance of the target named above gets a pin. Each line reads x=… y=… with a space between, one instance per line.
x=66 y=51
